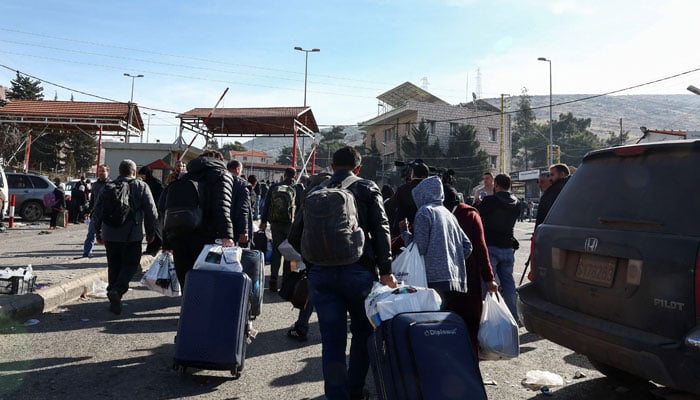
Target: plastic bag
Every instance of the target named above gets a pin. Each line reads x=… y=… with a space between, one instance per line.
x=498 y=331
x=161 y=276
x=384 y=303
x=288 y=252
x=215 y=257
x=409 y=267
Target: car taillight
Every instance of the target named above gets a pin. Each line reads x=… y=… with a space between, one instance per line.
x=697 y=285
x=629 y=151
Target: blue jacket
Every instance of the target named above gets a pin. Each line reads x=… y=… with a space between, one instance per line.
x=439 y=238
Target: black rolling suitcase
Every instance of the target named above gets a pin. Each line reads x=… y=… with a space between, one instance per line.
x=425 y=355
x=213 y=322
x=253 y=262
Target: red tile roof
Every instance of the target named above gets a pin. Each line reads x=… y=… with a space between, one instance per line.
x=61 y=109
x=271 y=121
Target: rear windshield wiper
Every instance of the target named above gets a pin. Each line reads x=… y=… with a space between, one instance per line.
x=621 y=221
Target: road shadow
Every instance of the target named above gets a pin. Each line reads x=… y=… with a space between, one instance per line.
x=578 y=360
x=276 y=341
x=147 y=376
x=529 y=337
x=311 y=372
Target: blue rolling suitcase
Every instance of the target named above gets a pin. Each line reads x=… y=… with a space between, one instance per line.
x=425 y=355
x=253 y=262
x=213 y=322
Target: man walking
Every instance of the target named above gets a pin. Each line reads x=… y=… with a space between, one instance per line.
x=337 y=290
x=283 y=199
x=499 y=213
x=123 y=209
x=97 y=187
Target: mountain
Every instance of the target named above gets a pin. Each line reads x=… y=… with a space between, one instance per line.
x=678 y=112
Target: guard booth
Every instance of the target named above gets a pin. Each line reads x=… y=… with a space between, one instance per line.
x=291 y=122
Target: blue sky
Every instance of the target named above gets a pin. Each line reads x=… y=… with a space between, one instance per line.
x=190 y=51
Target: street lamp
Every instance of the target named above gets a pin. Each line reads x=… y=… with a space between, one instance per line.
x=551 y=140
x=306 y=66
x=148 y=126
x=133 y=77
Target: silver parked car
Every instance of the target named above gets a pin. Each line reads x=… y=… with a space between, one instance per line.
x=30 y=190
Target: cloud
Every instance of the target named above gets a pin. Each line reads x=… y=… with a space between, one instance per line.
x=570 y=7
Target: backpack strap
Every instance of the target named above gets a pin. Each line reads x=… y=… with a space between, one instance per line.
x=349 y=181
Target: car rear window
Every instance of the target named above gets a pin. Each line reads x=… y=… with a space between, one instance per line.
x=38 y=182
x=657 y=192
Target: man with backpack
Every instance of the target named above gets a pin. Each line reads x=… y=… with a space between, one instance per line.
x=122 y=210
x=198 y=211
x=343 y=235
x=282 y=201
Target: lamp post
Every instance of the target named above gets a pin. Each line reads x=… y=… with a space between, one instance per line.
x=133 y=77
x=551 y=140
x=306 y=66
x=148 y=126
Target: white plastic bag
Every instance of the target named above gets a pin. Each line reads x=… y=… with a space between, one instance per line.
x=498 y=331
x=215 y=257
x=384 y=303
x=409 y=267
x=161 y=276
x=288 y=252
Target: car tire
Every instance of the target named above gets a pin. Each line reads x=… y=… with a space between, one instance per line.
x=615 y=373
x=32 y=211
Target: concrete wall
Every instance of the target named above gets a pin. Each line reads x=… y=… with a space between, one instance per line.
x=143 y=154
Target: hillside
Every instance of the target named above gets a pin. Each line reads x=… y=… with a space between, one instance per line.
x=680 y=112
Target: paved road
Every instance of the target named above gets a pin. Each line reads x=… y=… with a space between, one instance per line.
x=80 y=350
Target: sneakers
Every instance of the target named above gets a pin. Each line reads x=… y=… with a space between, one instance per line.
x=294 y=333
x=115 y=302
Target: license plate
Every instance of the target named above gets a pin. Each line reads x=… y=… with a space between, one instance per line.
x=596 y=270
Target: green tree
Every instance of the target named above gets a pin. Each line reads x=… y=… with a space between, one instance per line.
x=524 y=128
x=418 y=145
x=285 y=156
x=48 y=150
x=25 y=88
x=466 y=158
x=84 y=149
x=331 y=140
x=574 y=138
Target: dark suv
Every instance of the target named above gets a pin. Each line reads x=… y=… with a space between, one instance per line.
x=616 y=264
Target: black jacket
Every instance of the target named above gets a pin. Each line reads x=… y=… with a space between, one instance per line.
x=547 y=200
x=97 y=187
x=372 y=218
x=215 y=188
x=499 y=212
x=402 y=205
x=240 y=207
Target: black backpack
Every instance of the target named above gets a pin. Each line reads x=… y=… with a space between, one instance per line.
x=183 y=213
x=332 y=234
x=116 y=203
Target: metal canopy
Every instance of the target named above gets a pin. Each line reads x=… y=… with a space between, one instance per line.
x=93 y=116
x=400 y=95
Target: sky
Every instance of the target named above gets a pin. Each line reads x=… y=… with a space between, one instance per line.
x=191 y=51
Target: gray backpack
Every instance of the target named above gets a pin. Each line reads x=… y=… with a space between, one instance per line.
x=332 y=234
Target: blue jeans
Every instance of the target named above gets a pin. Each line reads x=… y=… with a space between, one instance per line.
x=502 y=261
x=335 y=292
x=89 y=239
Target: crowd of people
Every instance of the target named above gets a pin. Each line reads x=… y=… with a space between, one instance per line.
x=468 y=249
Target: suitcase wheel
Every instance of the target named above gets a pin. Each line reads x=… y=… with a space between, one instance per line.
x=236 y=373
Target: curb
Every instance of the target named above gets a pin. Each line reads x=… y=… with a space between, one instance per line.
x=48 y=299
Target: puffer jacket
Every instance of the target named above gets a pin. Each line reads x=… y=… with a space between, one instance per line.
x=439 y=238
x=215 y=188
x=376 y=253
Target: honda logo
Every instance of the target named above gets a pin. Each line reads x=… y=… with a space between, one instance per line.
x=591 y=244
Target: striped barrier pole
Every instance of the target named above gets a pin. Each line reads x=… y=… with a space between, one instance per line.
x=13 y=200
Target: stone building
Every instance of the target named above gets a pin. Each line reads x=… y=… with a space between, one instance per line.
x=403 y=108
